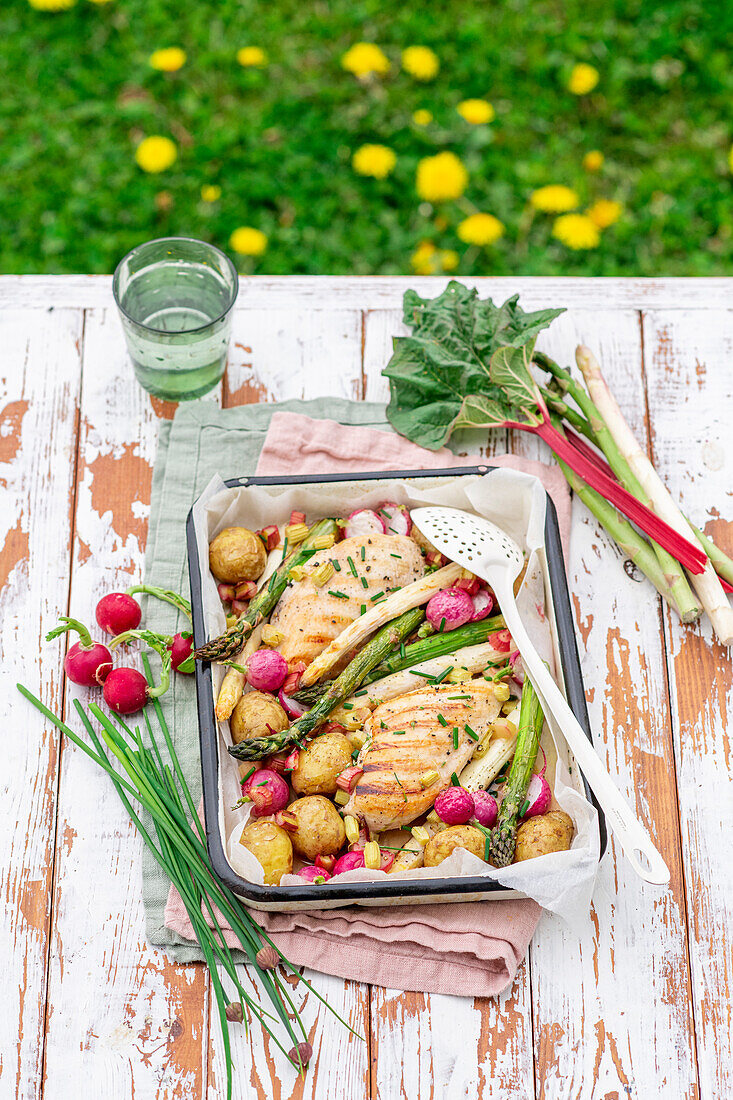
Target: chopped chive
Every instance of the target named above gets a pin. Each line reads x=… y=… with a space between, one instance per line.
x=352 y=567
x=458 y=697
x=487 y=840
x=454 y=780
x=364 y=582
x=336 y=565
x=382 y=724
x=442 y=624
x=425 y=675
x=398 y=733
x=249 y=773
x=439 y=679
x=455 y=737
x=338 y=595
x=442 y=720
x=376 y=597
x=396 y=556
x=285 y=549
x=382 y=512
x=363 y=553
x=525 y=807
x=348 y=706
x=363 y=609
x=402 y=650
x=471 y=733
x=364 y=691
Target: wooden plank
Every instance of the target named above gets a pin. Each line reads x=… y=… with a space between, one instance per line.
x=38 y=396
x=334 y=292
x=415 y=1046
x=279 y=354
x=611 y=997
x=121 y=1016
x=687 y=360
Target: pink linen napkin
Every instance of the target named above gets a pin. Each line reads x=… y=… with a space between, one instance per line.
x=469 y=949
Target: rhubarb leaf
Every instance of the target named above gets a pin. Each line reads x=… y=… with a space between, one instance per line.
x=440 y=375
x=510 y=372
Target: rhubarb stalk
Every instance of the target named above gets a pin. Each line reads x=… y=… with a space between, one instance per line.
x=688 y=607
x=706 y=584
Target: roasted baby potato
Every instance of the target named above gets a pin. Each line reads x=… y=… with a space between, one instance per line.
x=443 y=843
x=550 y=832
x=320 y=829
x=237 y=554
x=255 y=714
x=271 y=847
x=319 y=764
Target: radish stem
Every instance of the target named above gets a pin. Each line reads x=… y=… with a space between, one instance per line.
x=706 y=584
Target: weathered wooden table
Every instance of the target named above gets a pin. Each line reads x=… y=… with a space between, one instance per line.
x=636 y=1001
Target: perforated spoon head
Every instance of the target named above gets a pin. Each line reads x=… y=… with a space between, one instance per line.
x=471 y=541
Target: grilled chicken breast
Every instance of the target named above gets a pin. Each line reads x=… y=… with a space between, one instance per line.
x=310 y=617
x=407 y=739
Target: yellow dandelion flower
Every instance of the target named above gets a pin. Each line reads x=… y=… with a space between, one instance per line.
x=252 y=57
x=476 y=111
x=248 y=241
x=364 y=59
x=421 y=117
x=420 y=62
x=156 y=153
x=168 y=60
x=480 y=229
x=374 y=160
x=100 y=2
x=576 y=231
x=449 y=259
x=593 y=161
x=604 y=212
x=554 y=199
x=211 y=192
x=441 y=177
x=424 y=260
x=52 y=5
x=583 y=78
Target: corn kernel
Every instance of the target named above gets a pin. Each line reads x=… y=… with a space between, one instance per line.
x=341 y=797
x=501 y=691
x=272 y=636
x=322 y=574
x=324 y=542
x=428 y=778
x=351 y=826
x=295 y=533
x=297 y=573
x=421 y=834
x=372 y=856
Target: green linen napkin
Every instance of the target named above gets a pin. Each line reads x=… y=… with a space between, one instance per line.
x=203 y=440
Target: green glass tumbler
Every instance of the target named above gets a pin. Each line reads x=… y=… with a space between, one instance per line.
x=175 y=296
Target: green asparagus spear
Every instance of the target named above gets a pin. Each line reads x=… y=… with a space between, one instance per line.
x=504 y=836
x=436 y=645
x=226 y=645
x=353 y=675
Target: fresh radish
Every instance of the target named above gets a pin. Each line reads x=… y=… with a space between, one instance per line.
x=395 y=517
x=539 y=795
x=449 y=608
x=483 y=603
x=181 y=650
x=313 y=874
x=266 y=670
x=501 y=641
x=87 y=663
x=125 y=690
x=326 y=863
x=118 y=612
x=268 y=791
x=350 y=861
x=364 y=522
x=485 y=808
x=454 y=806
x=515 y=662
x=162 y=645
x=292 y=707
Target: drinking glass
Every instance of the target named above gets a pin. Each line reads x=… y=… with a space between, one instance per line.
x=175 y=296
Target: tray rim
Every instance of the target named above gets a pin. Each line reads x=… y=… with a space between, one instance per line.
x=274 y=897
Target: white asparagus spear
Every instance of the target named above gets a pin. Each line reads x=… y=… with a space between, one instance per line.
x=469 y=659
x=706 y=584
x=232 y=686
x=412 y=595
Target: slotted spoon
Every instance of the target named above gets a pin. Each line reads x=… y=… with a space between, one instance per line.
x=481 y=546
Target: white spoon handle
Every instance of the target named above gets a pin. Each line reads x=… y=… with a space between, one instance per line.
x=630 y=833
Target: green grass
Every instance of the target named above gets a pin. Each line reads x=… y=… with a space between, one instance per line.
x=77 y=94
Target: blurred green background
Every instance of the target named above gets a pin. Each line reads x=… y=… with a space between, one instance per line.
x=78 y=95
